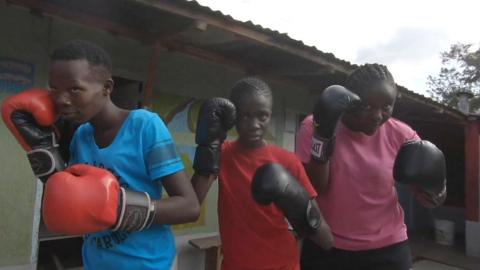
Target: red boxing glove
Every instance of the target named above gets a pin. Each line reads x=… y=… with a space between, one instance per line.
x=30 y=116
x=84 y=199
x=38 y=103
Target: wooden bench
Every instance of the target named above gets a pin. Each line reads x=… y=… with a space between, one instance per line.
x=213 y=250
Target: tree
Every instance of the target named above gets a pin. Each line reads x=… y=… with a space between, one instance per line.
x=460 y=72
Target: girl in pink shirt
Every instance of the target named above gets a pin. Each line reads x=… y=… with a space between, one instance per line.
x=351 y=166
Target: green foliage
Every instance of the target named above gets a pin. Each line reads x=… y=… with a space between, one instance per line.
x=460 y=72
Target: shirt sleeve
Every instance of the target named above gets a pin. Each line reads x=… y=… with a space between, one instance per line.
x=303 y=143
x=160 y=152
x=413 y=136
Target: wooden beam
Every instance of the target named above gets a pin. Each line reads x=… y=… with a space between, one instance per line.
x=440 y=120
x=313 y=73
x=250 y=69
x=405 y=94
x=207 y=55
x=118 y=28
x=85 y=19
x=243 y=31
x=171 y=43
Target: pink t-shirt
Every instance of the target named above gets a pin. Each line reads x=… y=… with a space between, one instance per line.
x=361 y=204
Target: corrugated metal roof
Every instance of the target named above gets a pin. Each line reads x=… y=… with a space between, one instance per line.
x=245 y=44
x=330 y=56
x=274 y=33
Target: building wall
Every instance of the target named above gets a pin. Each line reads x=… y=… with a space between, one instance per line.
x=23 y=39
x=30 y=38
x=472 y=223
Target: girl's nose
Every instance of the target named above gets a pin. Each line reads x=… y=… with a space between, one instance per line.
x=254 y=123
x=376 y=115
x=62 y=99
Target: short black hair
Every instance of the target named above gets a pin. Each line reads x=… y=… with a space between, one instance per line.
x=250 y=86
x=364 y=76
x=81 y=49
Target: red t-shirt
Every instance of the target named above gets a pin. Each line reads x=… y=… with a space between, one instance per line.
x=255 y=236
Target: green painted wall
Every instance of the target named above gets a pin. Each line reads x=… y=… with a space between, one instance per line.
x=17 y=194
x=31 y=38
x=22 y=39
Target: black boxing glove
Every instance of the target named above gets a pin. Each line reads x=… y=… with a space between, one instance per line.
x=327 y=111
x=216 y=117
x=272 y=183
x=421 y=165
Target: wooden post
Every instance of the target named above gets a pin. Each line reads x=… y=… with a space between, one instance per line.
x=152 y=68
x=472 y=171
x=213 y=258
x=213 y=251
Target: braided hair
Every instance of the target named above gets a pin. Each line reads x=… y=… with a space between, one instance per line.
x=362 y=78
x=247 y=87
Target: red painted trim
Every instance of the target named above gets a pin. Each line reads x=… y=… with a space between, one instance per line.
x=472 y=171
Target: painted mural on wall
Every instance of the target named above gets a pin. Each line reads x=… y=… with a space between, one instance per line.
x=15 y=75
x=180 y=114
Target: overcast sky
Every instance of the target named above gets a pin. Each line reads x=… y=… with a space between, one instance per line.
x=405 y=35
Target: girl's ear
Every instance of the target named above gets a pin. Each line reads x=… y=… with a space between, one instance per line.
x=108 y=87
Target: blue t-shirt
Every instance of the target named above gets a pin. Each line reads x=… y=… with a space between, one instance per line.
x=142 y=151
